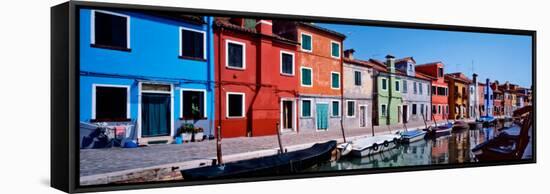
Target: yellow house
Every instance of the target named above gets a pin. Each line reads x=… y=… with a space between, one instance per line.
x=458 y=95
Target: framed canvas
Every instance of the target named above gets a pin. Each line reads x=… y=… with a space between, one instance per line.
x=149 y=96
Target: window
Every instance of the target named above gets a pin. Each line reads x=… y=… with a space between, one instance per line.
x=335 y=49
x=414 y=88
x=335 y=80
x=421 y=109
x=434 y=90
x=306 y=108
x=404 y=86
x=235 y=104
x=414 y=109
x=335 y=108
x=193 y=104
x=447 y=109
x=439 y=109
x=420 y=88
x=427 y=89
x=236 y=55
x=111 y=103
x=439 y=72
x=306 y=42
x=384 y=84
x=350 y=108
x=307 y=76
x=433 y=109
x=383 y=110
x=110 y=30
x=287 y=63
x=357 y=78
x=441 y=91
x=397 y=86
x=192 y=43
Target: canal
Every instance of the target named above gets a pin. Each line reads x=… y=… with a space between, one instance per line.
x=451 y=149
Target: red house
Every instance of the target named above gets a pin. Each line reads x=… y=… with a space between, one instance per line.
x=256 y=78
x=440 y=91
x=498 y=100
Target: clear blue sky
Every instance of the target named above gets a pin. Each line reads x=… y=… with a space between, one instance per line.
x=495 y=56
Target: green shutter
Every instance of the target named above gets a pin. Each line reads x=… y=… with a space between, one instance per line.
x=306 y=42
x=335 y=80
x=306 y=77
x=335 y=50
x=306 y=108
x=335 y=109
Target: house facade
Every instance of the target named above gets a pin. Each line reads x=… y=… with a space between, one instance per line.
x=358 y=90
x=488 y=97
x=473 y=103
x=154 y=84
x=439 y=88
x=498 y=99
x=458 y=95
x=257 y=74
x=319 y=64
x=388 y=99
x=415 y=90
x=481 y=87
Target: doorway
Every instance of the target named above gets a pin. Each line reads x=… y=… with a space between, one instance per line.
x=405 y=114
x=287 y=115
x=322 y=116
x=362 y=116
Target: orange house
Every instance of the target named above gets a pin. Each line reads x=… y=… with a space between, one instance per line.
x=440 y=90
x=319 y=58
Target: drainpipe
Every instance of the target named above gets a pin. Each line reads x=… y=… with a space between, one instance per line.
x=342 y=95
x=390 y=62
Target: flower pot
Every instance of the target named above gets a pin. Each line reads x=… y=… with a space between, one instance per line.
x=186 y=137
x=198 y=136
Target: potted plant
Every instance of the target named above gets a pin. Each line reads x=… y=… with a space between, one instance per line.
x=186 y=131
x=199 y=133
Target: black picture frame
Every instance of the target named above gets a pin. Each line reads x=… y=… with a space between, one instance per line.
x=65 y=87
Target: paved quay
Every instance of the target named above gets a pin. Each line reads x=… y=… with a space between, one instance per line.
x=98 y=164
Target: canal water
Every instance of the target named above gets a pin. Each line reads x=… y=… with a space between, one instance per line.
x=450 y=149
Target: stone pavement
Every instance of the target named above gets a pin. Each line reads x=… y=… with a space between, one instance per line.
x=101 y=161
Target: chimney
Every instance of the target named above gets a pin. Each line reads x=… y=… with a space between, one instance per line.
x=390 y=62
x=264 y=27
x=475 y=79
x=349 y=53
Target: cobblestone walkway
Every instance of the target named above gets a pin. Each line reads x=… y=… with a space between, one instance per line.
x=99 y=161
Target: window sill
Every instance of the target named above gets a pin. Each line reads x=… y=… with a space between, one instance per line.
x=288 y=75
x=111 y=47
x=202 y=118
x=192 y=58
x=111 y=120
x=235 y=68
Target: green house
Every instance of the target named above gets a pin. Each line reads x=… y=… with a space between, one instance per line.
x=388 y=98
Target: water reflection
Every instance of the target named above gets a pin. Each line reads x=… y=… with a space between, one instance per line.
x=450 y=149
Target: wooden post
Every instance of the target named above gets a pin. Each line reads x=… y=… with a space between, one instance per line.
x=433 y=117
x=424 y=119
x=279 y=138
x=219 y=145
x=372 y=127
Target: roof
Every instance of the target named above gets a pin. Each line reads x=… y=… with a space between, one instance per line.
x=424 y=76
x=378 y=65
x=405 y=59
x=358 y=62
x=430 y=63
x=226 y=24
x=311 y=25
x=458 y=77
x=179 y=17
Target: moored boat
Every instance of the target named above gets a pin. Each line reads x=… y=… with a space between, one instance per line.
x=438 y=131
x=475 y=125
x=280 y=164
x=460 y=125
x=412 y=136
x=372 y=145
x=487 y=121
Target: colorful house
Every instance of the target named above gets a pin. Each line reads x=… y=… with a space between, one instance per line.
x=458 y=95
x=509 y=95
x=154 y=72
x=257 y=73
x=488 y=99
x=473 y=103
x=481 y=87
x=439 y=88
x=358 y=89
x=319 y=67
x=498 y=100
x=415 y=90
x=387 y=91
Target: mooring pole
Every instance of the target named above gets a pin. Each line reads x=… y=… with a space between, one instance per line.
x=424 y=119
x=433 y=117
x=219 y=145
x=372 y=127
x=279 y=138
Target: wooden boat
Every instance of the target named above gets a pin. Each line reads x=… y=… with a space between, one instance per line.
x=504 y=146
x=412 y=136
x=372 y=145
x=487 y=121
x=280 y=164
x=439 y=130
x=460 y=125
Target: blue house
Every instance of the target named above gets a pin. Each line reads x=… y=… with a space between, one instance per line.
x=488 y=98
x=153 y=71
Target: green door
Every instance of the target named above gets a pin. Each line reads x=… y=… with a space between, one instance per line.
x=322 y=116
x=155 y=114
